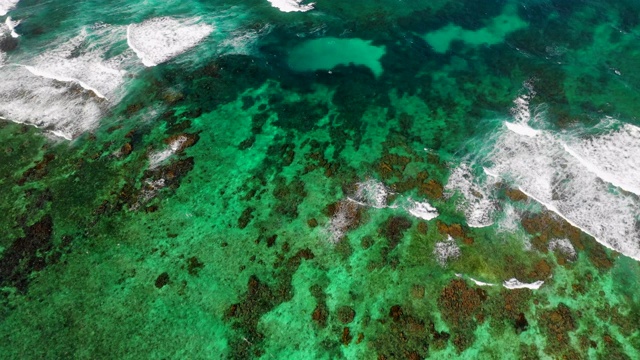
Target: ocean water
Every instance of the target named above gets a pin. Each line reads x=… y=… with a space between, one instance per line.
x=284 y=179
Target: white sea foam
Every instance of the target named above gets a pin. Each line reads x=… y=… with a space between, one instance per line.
x=371 y=193
x=522 y=129
x=148 y=192
x=6 y=6
x=522 y=114
x=520 y=110
x=244 y=41
x=11 y=26
x=511 y=284
x=343 y=219
x=477 y=282
x=46 y=103
x=613 y=156
x=87 y=69
x=422 y=210
x=476 y=202
x=481 y=283
x=67 y=88
x=39 y=72
x=575 y=181
x=517 y=284
x=291 y=5
x=445 y=250
x=510 y=219
x=157 y=158
x=161 y=39
x=589 y=177
x=564 y=246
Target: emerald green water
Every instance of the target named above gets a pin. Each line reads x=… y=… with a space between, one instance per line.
x=327 y=53
x=360 y=180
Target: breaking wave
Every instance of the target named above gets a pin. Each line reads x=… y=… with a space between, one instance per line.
x=161 y=39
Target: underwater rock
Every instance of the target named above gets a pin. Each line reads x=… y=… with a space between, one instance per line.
x=172 y=97
x=395 y=312
x=417 y=291
x=345 y=314
x=271 y=240
x=392 y=165
x=8 y=43
x=126 y=149
x=162 y=280
x=320 y=315
x=247 y=143
x=194 y=265
x=423 y=227
x=431 y=189
x=521 y=323
x=455 y=230
x=171 y=173
x=346 y=336
x=516 y=195
x=393 y=230
x=132 y=109
x=289 y=196
x=542 y=270
x=184 y=140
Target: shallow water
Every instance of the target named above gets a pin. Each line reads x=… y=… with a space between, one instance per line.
x=282 y=179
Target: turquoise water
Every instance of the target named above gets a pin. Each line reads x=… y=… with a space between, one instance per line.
x=318 y=181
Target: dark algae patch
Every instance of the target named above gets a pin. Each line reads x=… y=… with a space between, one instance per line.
x=27 y=254
x=353 y=180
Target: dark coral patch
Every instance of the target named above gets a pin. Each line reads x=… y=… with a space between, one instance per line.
x=162 y=280
x=38 y=171
x=27 y=254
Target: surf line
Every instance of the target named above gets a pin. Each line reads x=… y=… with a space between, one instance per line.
x=552 y=208
x=54 y=132
x=35 y=71
x=145 y=61
x=599 y=173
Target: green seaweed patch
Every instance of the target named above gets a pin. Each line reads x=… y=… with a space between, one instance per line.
x=222 y=80
x=393 y=230
x=510 y=307
x=245 y=217
x=316 y=159
x=39 y=170
x=288 y=196
x=404 y=336
x=301 y=115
